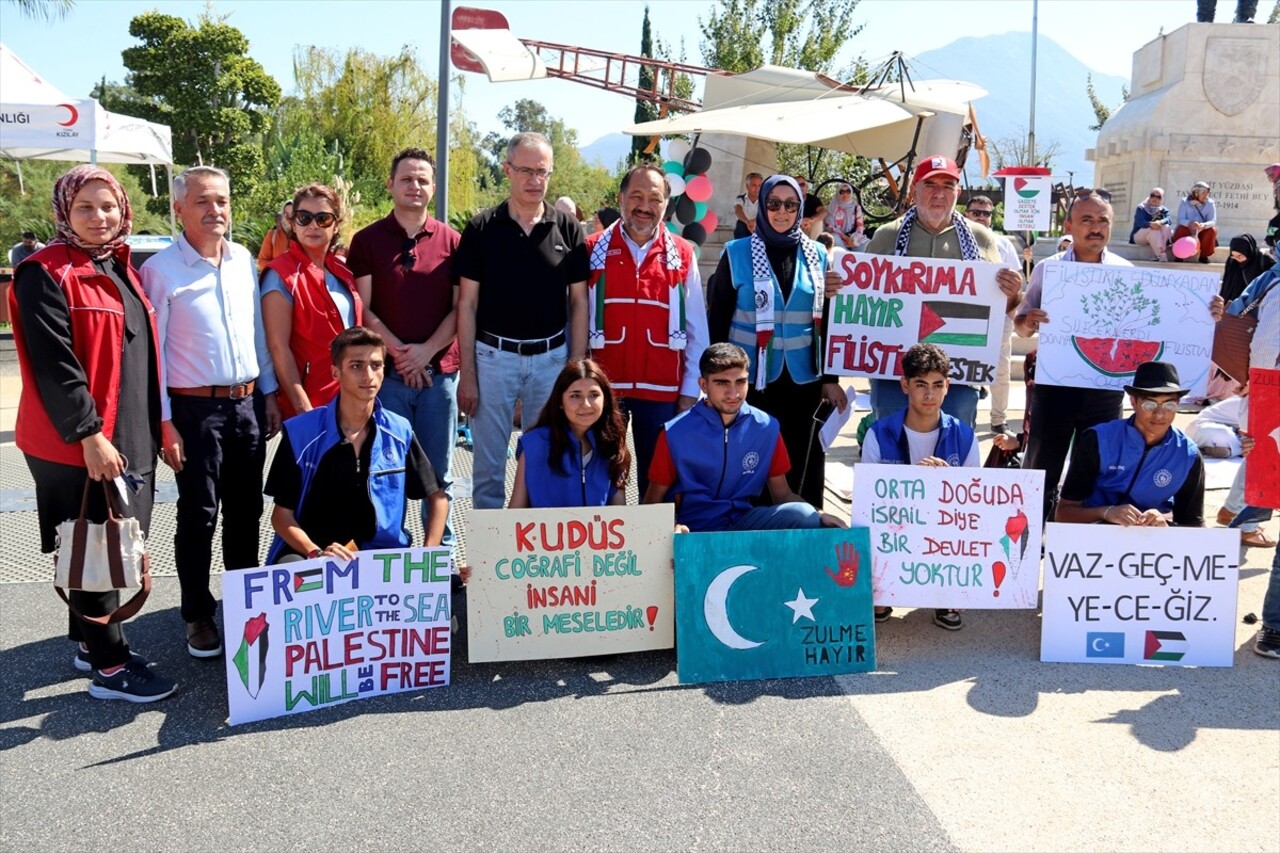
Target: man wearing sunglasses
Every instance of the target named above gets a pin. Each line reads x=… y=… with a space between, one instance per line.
x=1141 y=471
x=404 y=269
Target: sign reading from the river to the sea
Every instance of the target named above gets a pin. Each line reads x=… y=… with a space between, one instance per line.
x=1106 y=320
x=318 y=632
x=887 y=304
x=965 y=538
x=559 y=583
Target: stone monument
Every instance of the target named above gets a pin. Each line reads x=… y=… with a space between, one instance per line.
x=1205 y=106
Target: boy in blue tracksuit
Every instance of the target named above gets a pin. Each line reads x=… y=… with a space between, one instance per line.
x=923 y=434
x=716 y=458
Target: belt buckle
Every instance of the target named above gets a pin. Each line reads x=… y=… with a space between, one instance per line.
x=521 y=345
x=240 y=390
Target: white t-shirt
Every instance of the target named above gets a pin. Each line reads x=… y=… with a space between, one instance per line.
x=919 y=445
x=749 y=207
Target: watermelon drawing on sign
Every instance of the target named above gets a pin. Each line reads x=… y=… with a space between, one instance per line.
x=1117 y=357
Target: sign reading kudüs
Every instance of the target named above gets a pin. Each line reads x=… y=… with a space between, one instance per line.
x=557 y=583
x=1155 y=595
x=318 y=632
x=888 y=304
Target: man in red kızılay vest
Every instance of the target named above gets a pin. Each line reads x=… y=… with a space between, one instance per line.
x=648 y=318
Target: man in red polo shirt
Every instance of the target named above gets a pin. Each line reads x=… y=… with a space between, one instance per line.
x=403 y=266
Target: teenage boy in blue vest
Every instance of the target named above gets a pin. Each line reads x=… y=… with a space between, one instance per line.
x=720 y=456
x=923 y=434
x=1141 y=470
x=343 y=472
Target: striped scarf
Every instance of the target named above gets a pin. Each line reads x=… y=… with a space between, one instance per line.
x=968 y=246
x=677 y=338
x=762 y=284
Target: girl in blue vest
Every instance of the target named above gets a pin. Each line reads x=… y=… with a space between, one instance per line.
x=766 y=297
x=576 y=455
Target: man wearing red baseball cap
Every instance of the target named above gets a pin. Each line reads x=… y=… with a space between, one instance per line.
x=932 y=228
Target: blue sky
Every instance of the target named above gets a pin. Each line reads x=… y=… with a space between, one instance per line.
x=74 y=53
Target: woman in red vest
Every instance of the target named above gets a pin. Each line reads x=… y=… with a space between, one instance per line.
x=90 y=406
x=308 y=297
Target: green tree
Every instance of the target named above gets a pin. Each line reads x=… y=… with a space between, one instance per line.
x=1100 y=110
x=645 y=110
x=26 y=207
x=1013 y=150
x=734 y=33
x=198 y=79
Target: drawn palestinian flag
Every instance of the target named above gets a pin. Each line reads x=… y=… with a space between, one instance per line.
x=959 y=324
x=307 y=581
x=1165 y=645
x=251 y=658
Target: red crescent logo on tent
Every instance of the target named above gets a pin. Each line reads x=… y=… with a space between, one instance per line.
x=75 y=115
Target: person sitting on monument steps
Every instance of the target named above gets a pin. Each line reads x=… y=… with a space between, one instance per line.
x=923 y=434
x=1151 y=224
x=718 y=458
x=1198 y=217
x=1138 y=471
x=344 y=471
x=576 y=454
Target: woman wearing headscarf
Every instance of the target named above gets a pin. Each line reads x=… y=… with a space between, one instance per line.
x=1198 y=217
x=767 y=297
x=1151 y=224
x=1246 y=263
x=845 y=218
x=86 y=340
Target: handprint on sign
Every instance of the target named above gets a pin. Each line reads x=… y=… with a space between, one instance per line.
x=847 y=559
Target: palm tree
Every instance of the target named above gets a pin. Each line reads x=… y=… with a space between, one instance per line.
x=44 y=10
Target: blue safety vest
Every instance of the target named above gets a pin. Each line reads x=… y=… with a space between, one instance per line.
x=579 y=485
x=1131 y=472
x=793 y=340
x=313 y=434
x=720 y=470
x=954 y=440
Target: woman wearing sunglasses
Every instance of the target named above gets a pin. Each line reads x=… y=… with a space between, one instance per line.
x=1151 y=224
x=767 y=298
x=308 y=297
x=845 y=219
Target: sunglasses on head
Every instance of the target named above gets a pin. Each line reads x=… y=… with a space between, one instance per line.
x=1085 y=192
x=407 y=256
x=305 y=217
x=776 y=204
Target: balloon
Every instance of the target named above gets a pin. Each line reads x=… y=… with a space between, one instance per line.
x=686 y=209
x=698 y=161
x=673 y=167
x=694 y=233
x=699 y=210
x=677 y=149
x=677 y=184
x=699 y=188
x=1185 y=248
x=673 y=227
x=710 y=221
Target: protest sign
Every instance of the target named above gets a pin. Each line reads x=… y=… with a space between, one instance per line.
x=1262 y=468
x=888 y=304
x=963 y=538
x=773 y=604
x=1157 y=595
x=1028 y=203
x=319 y=632
x=561 y=583
x=1106 y=320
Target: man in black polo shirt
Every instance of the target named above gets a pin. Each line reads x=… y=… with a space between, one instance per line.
x=343 y=472
x=522 y=269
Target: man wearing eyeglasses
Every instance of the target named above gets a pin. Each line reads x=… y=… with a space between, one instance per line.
x=814 y=212
x=982 y=209
x=404 y=269
x=1141 y=471
x=522 y=309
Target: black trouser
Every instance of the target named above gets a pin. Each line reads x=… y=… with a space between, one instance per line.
x=1058 y=414
x=793 y=405
x=1245 y=10
x=225 y=449
x=59 y=489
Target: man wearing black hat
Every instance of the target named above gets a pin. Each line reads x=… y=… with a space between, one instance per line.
x=1138 y=471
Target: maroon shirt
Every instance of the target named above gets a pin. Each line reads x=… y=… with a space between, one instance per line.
x=412 y=301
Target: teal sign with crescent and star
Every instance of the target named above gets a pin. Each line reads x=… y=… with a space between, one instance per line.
x=773 y=604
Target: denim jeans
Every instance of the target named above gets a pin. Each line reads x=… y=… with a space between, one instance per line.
x=503 y=378
x=887 y=399
x=1271 y=603
x=433 y=414
x=1236 y=505
x=646 y=418
x=796 y=515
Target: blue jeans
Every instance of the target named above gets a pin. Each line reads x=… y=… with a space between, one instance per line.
x=433 y=414
x=503 y=378
x=796 y=515
x=647 y=418
x=887 y=399
x=1271 y=603
x=1235 y=504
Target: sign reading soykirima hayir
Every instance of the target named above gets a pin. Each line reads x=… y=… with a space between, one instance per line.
x=319 y=632
x=887 y=304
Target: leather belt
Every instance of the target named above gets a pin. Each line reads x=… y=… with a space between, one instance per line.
x=537 y=347
x=235 y=392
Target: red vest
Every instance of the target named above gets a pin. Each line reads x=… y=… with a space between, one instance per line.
x=316 y=321
x=635 y=355
x=97 y=339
